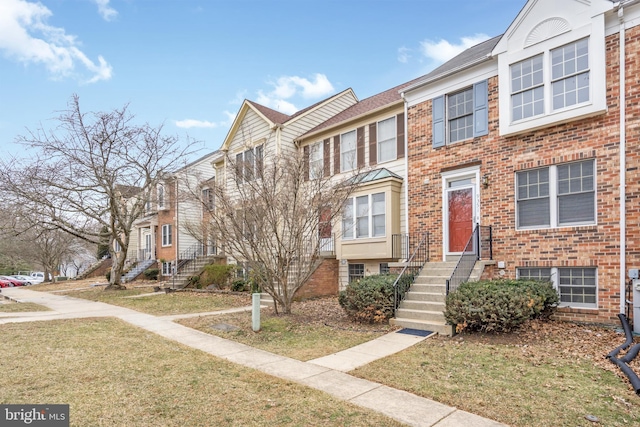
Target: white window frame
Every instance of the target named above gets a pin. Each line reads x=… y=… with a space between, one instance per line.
x=348 y=157
x=167 y=269
x=161 y=196
x=167 y=237
x=353 y=275
x=555 y=274
x=208 y=199
x=597 y=104
x=387 y=142
x=358 y=217
x=316 y=160
x=249 y=163
x=554 y=197
x=449 y=117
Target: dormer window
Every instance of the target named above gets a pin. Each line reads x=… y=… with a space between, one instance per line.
x=564 y=81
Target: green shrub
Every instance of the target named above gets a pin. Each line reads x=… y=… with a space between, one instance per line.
x=108 y=275
x=370 y=299
x=499 y=305
x=217 y=274
x=194 y=282
x=239 y=285
x=151 y=273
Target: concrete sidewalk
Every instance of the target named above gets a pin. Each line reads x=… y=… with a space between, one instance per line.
x=327 y=373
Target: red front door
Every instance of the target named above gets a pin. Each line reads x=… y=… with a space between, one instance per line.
x=460 y=218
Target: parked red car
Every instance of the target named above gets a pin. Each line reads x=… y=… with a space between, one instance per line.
x=5 y=284
x=14 y=282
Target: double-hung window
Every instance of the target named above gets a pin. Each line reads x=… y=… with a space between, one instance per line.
x=160 y=196
x=249 y=164
x=555 y=196
x=356 y=272
x=208 y=200
x=577 y=286
x=460 y=115
x=166 y=235
x=369 y=219
x=316 y=160
x=527 y=88
x=166 y=268
x=565 y=82
x=348 y=151
x=387 y=146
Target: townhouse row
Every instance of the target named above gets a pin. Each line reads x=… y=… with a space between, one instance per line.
x=533 y=134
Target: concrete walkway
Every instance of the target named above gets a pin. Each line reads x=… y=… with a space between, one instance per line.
x=327 y=373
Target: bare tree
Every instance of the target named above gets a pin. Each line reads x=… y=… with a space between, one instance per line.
x=271 y=217
x=94 y=170
x=33 y=243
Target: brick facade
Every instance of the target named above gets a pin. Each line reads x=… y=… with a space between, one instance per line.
x=323 y=282
x=167 y=216
x=499 y=158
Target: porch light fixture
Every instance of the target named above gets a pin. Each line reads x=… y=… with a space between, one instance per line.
x=485 y=180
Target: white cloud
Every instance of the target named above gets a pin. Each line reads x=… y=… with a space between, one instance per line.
x=108 y=13
x=193 y=123
x=287 y=87
x=442 y=50
x=26 y=38
x=403 y=54
x=272 y=101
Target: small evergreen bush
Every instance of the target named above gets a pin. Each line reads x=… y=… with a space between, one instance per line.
x=499 y=305
x=108 y=275
x=239 y=285
x=151 y=273
x=194 y=282
x=370 y=299
x=217 y=274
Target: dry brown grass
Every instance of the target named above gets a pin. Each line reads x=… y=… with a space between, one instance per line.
x=316 y=328
x=20 y=307
x=113 y=374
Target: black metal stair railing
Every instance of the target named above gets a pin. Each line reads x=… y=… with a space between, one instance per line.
x=479 y=246
x=413 y=265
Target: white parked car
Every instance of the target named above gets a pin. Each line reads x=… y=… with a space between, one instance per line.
x=38 y=277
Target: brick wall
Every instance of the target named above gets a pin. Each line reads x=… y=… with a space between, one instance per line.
x=167 y=216
x=501 y=157
x=323 y=281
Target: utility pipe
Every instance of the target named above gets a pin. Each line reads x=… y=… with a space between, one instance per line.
x=623 y=160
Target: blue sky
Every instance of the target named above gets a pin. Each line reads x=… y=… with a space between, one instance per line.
x=188 y=64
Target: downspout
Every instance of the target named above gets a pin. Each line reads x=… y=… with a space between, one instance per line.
x=406 y=164
x=623 y=161
x=177 y=232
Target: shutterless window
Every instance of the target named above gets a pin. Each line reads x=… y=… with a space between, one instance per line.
x=460 y=115
x=348 y=151
x=369 y=220
x=347 y=219
x=384 y=268
x=570 y=74
x=208 y=200
x=527 y=88
x=556 y=196
x=577 y=287
x=166 y=235
x=378 y=214
x=356 y=272
x=316 y=161
x=387 y=140
x=160 y=196
x=166 y=269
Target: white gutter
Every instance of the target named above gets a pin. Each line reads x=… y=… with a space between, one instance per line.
x=406 y=165
x=623 y=163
